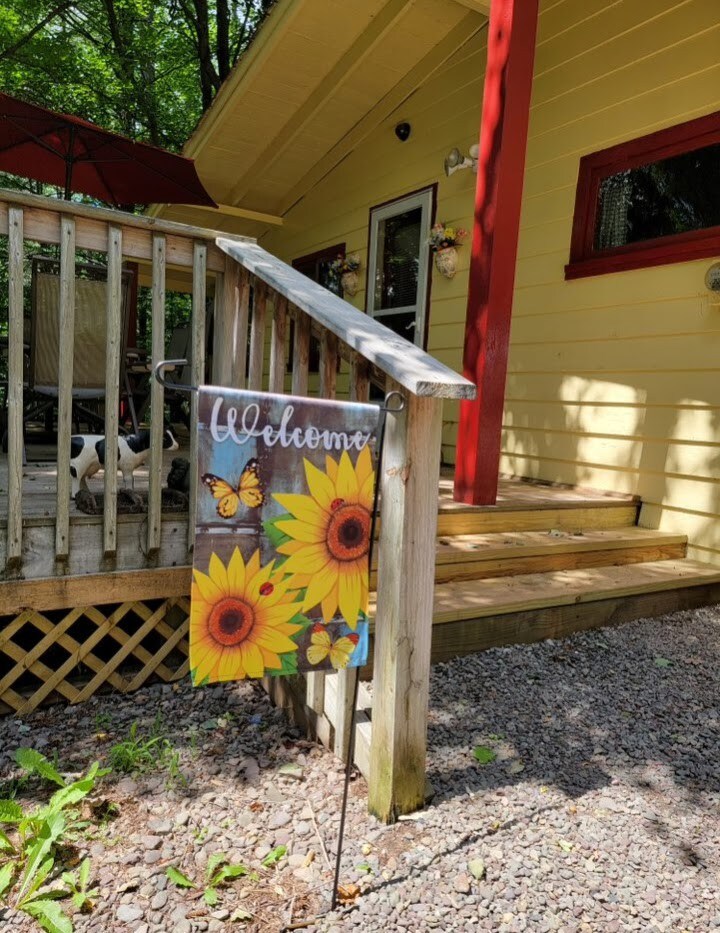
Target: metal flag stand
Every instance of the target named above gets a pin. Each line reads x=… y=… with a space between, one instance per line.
x=384 y=409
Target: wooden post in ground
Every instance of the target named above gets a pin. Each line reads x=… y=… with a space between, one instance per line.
x=403 y=622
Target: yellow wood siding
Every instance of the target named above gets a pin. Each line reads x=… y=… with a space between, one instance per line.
x=614 y=380
x=444 y=112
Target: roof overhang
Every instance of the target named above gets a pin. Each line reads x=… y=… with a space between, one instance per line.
x=311 y=87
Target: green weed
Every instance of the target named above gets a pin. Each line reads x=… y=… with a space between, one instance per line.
x=31 y=843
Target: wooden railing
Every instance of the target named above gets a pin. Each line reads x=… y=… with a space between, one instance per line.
x=169 y=248
x=393 y=754
x=257 y=299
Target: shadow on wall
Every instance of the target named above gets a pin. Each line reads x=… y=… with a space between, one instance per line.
x=607 y=434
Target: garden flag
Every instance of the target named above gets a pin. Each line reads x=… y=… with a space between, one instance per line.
x=284 y=512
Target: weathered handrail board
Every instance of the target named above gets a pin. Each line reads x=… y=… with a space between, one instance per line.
x=405 y=362
x=107 y=215
x=390 y=750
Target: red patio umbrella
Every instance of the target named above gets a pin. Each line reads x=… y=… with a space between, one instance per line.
x=72 y=153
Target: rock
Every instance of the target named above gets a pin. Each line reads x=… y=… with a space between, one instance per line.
x=161 y=827
x=159 y=901
x=128 y=914
x=280 y=819
x=461 y=884
x=151 y=842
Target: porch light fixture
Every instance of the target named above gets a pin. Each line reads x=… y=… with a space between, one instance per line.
x=455 y=160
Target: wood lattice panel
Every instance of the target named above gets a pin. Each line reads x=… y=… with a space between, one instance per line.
x=70 y=654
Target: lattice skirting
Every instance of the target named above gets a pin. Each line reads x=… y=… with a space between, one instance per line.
x=71 y=654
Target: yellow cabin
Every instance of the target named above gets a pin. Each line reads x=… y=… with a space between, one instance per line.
x=525 y=191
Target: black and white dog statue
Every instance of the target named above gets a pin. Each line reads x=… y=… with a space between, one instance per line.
x=87 y=455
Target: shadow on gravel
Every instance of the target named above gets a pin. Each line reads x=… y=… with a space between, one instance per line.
x=642 y=700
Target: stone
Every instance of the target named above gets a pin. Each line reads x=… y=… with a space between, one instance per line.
x=128 y=914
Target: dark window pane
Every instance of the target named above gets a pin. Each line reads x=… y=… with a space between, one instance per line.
x=663 y=198
x=403 y=324
x=398 y=251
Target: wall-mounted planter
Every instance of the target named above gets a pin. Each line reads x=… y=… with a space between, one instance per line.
x=446 y=261
x=350 y=283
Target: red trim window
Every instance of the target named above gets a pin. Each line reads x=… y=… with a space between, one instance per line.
x=648 y=202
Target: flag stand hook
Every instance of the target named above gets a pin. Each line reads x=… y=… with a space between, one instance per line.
x=394 y=403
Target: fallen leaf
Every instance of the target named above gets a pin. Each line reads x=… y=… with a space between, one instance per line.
x=348 y=893
x=407 y=817
x=565 y=845
x=292 y=770
x=240 y=916
x=484 y=755
x=662 y=662
x=476 y=867
x=515 y=766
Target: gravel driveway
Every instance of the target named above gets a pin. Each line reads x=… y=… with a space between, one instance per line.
x=576 y=785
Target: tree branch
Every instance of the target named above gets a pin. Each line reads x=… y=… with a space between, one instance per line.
x=29 y=36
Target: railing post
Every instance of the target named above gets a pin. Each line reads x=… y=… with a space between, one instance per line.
x=157 y=397
x=197 y=371
x=409 y=477
x=66 y=354
x=15 y=384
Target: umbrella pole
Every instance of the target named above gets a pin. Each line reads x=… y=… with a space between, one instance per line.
x=69 y=164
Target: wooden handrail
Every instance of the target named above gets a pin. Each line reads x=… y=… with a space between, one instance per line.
x=120 y=218
x=401 y=360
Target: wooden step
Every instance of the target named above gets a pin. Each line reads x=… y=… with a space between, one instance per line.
x=476 y=615
x=581 y=515
x=472 y=557
x=480 y=614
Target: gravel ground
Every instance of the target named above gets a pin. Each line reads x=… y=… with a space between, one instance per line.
x=599 y=811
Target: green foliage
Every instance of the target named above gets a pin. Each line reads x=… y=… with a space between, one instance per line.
x=77 y=884
x=30 y=846
x=145 y=68
x=218 y=873
x=272 y=858
x=33 y=762
x=484 y=755
x=140 y=753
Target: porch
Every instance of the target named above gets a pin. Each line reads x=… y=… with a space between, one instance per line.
x=95 y=602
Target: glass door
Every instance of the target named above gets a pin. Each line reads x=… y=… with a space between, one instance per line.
x=398 y=264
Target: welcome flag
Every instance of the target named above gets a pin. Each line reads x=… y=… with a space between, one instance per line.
x=284 y=513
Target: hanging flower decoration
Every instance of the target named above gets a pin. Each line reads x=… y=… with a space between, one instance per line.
x=240 y=619
x=345 y=270
x=345 y=263
x=443 y=237
x=329 y=532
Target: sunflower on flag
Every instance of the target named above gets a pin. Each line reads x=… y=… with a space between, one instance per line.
x=328 y=534
x=240 y=619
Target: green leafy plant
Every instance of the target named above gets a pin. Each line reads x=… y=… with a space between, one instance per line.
x=272 y=858
x=31 y=843
x=77 y=884
x=484 y=755
x=219 y=872
x=140 y=753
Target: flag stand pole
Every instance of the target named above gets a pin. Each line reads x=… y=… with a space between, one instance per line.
x=349 y=763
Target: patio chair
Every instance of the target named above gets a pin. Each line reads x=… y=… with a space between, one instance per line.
x=88 y=392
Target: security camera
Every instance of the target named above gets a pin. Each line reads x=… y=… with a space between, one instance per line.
x=402 y=131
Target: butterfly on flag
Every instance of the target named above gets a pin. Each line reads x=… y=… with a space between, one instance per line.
x=323 y=647
x=249 y=491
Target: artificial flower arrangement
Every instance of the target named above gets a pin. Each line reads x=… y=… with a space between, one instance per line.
x=346 y=267
x=443 y=237
x=344 y=264
x=444 y=241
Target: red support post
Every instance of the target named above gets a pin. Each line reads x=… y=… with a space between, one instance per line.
x=498 y=197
